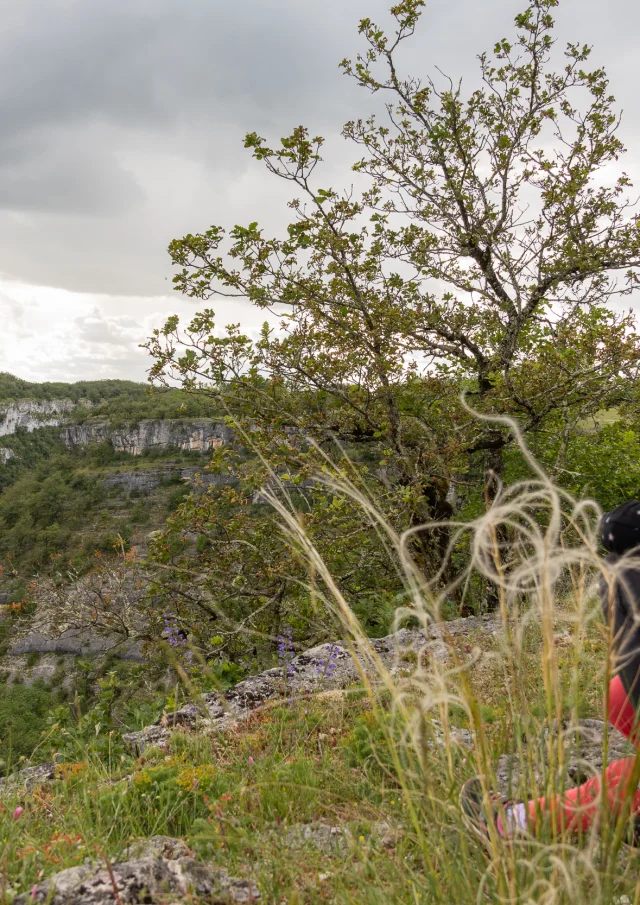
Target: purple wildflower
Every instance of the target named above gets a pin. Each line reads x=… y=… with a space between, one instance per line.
x=176 y=636
x=326 y=668
x=286 y=653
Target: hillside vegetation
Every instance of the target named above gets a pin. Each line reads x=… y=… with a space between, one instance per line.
x=13 y=389
x=288 y=655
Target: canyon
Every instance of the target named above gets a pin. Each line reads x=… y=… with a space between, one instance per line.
x=134 y=438
x=198 y=434
x=30 y=414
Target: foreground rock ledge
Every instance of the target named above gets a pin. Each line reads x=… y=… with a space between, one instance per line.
x=583 y=747
x=165 y=874
x=325 y=667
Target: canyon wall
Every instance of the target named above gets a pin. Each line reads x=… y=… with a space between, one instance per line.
x=29 y=414
x=199 y=434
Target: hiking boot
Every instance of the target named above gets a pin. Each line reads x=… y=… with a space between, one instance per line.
x=478 y=810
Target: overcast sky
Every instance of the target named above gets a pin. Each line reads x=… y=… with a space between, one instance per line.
x=122 y=124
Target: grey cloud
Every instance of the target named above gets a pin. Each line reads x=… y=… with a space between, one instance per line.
x=154 y=63
x=100 y=329
x=122 y=120
x=66 y=172
x=91 y=91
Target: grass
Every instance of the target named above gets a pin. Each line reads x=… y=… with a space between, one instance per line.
x=385 y=752
x=606 y=416
x=341 y=759
x=233 y=798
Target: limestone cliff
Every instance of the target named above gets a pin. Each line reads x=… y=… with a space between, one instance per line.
x=5 y=454
x=144 y=480
x=199 y=434
x=30 y=414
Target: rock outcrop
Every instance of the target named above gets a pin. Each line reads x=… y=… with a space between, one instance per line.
x=335 y=839
x=28 y=778
x=29 y=414
x=333 y=666
x=325 y=667
x=583 y=746
x=168 y=873
x=147 y=479
x=6 y=453
x=198 y=434
x=79 y=642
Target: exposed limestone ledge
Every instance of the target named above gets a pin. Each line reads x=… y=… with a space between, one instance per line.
x=45 y=669
x=325 y=667
x=199 y=434
x=146 y=479
x=6 y=453
x=80 y=642
x=583 y=745
x=164 y=875
x=30 y=414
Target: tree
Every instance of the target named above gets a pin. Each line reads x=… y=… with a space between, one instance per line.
x=227 y=570
x=111 y=601
x=481 y=259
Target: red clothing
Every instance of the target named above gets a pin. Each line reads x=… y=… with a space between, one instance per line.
x=580 y=806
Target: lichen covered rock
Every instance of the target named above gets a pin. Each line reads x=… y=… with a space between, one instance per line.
x=152 y=879
x=583 y=757
x=324 y=667
x=28 y=778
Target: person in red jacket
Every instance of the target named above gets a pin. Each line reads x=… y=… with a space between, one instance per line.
x=579 y=808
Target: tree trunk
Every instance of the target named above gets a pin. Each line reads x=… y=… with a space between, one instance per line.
x=430 y=547
x=494 y=475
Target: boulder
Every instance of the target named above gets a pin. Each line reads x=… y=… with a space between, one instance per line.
x=583 y=747
x=152 y=879
x=324 y=667
x=28 y=778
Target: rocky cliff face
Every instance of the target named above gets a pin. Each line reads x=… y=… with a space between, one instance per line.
x=200 y=434
x=148 y=479
x=30 y=415
x=5 y=454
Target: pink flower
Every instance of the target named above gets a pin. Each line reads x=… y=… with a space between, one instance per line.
x=18 y=812
x=34 y=892
x=250 y=761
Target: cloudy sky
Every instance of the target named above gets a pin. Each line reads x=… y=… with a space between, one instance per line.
x=122 y=124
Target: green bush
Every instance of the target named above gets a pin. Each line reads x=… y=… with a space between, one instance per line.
x=23 y=715
x=42 y=511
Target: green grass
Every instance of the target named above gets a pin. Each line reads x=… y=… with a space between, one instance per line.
x=339 y=759
x=234 y=798
x=607 y=416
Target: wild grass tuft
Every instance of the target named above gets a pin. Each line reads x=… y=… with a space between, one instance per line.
x=384 y=761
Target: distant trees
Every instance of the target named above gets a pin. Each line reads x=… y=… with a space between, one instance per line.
x=13 y=388
x=109 y=601
x=481 y=260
